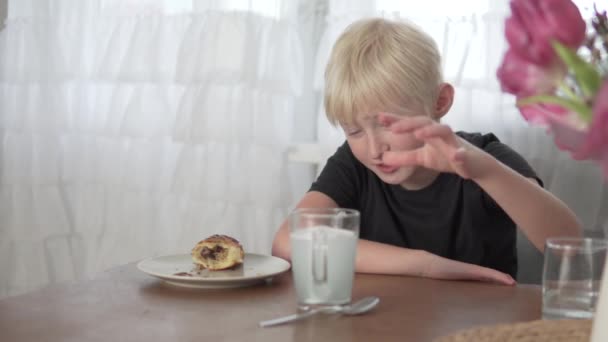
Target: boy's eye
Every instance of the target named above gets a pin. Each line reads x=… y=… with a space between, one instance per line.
x=352 y=132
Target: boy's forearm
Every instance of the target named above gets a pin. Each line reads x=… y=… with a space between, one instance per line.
x=380 y=258
x=375 y=257
x=537 y=212
x=372 y=257
x=280 y=245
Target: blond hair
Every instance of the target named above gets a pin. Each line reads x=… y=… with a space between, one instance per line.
x=381 y=65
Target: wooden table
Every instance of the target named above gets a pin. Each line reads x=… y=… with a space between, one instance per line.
x=124 y=304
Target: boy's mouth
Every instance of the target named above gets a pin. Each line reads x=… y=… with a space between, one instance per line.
x=386 y=168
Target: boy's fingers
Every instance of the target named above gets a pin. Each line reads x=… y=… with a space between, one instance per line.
x=504 y=279
x=401 y=158
x=399 y=124
x=438 y=130
x=497 y=277
x=387 y=119
x=459 y=155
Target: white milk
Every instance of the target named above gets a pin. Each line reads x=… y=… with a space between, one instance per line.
x=339 y=269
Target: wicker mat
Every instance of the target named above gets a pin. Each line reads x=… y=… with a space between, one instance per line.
x=569 y=330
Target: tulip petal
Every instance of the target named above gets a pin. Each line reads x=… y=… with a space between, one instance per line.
x=584 y=142
x=534 y=24
x=542 y=114
x=598 y=131
x=572 y=31
x=522 y=78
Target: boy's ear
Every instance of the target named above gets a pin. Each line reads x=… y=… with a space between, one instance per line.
x=444 y=100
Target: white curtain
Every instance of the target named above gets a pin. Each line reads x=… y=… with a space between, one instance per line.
x=132 y=128
x=470 y=36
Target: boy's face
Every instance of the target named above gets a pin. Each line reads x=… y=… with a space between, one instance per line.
x=369 y=139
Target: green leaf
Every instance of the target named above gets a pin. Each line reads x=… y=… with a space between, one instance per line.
x=587 y=76
x=583 y=111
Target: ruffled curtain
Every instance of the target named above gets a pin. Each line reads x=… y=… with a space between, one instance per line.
x=130 y=129
x=133 y=128
x=470 y=36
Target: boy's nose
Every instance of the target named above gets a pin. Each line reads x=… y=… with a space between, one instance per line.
x=376 y=148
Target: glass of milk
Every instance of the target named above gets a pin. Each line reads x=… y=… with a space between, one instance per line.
x=323 y=250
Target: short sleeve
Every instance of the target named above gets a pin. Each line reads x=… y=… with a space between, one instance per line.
x=503 y=153
x=512 y=159
x=340 y=179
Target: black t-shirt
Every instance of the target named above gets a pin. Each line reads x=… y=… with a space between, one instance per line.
x=452 y=217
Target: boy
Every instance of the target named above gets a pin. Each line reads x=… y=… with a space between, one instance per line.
x=433 y=203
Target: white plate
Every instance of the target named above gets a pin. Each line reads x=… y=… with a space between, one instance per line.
x=256 y=268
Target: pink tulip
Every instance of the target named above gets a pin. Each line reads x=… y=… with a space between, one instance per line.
x=519 y=77
x=543 y=114
x=597 y=139
x=535 y=23
x=584 y=142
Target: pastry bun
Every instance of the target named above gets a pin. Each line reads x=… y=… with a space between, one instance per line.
x=218 y=252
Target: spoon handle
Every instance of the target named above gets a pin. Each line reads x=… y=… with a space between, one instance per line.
x=287 y=319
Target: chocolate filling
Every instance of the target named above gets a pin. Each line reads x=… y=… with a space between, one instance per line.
x=211 y=253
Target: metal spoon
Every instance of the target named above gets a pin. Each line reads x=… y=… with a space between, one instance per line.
x=361 y=306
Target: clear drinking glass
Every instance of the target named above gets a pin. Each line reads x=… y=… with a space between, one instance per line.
x=323 y=251
x=572 y=275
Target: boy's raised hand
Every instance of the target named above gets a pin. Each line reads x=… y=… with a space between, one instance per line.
x=442 y=149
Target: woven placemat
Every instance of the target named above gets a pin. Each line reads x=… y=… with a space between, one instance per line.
x=567 y=330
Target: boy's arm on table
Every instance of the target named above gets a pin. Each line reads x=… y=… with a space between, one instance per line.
x=379 y=258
